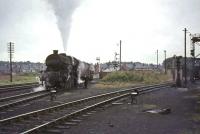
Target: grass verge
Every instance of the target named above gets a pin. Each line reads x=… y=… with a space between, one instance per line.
x=18 y=79
x=121 y=79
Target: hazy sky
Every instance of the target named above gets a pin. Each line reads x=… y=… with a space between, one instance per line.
x=93 y=28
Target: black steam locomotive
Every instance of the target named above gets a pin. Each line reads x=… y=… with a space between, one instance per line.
x=65 y=72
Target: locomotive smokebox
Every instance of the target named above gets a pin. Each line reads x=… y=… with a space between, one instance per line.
x=55 y=51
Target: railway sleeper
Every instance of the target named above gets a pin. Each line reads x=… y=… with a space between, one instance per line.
x=89 y=113
x=93 y=111
x=18 y=125
x=12 y=121
x=64 y=109
x=85 y=115
x=70 y=123
x=53 y=131
x=27 y=121
x=53 y=114
x=75 y=120
x=34 y=118
x=78 y=118
x=45 y=121
x=6 y=128
x=62 y=127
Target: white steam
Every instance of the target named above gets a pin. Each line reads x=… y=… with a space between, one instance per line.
x=83 y=70
x=63 y=10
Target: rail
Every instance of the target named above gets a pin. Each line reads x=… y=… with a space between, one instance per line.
x=143 y=89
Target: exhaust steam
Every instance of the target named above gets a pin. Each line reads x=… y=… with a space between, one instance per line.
x=63 y=10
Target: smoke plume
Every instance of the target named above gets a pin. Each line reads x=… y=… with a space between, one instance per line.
x=63 y=10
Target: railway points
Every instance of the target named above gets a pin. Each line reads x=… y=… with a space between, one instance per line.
x=59 y=107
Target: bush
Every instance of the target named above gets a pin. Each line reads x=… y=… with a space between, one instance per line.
x=135 y=77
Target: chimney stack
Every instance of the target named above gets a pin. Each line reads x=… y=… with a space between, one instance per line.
x=55 y=51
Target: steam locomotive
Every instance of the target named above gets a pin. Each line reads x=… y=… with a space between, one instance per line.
x=66 y=72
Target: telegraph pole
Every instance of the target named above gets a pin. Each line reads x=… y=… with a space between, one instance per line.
x=185 y=66
x=165 y=62
x=120 y=58
x=10 y=52
x=157 y=58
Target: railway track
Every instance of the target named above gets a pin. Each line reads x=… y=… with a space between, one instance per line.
x=12 y=101
x=63 y=115
x=17 y=87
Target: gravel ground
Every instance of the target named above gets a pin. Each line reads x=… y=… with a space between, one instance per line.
x=45 y=102
x=131 y=119
x=124 y=118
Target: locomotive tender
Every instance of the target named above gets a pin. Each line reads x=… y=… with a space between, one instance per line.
x=65 y=72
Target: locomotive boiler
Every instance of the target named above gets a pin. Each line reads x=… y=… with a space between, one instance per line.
x=65 y=72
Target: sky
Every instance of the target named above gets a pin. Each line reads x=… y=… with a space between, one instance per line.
x=87 y=29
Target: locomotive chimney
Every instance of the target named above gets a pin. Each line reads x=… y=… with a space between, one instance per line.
x=55 y=51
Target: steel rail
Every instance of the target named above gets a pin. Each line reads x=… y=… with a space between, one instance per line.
x=43 y=94
x=17 y=87
x=19 y=96
x=71 y=115
x=79 y=112
x=65 y=105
